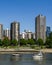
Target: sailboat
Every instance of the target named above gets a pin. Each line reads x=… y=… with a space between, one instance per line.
x=39 y=56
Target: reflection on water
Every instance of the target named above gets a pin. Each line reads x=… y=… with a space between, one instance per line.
x=24 y=59
x=15 y=57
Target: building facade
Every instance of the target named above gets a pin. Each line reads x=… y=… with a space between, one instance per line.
x=7 y=33
x=29 y=35
x=1 y=31
x=40 y=27
x=26 y=34
x=33 y=35
x=23 y=35
x=48 y=31
x=15 y=30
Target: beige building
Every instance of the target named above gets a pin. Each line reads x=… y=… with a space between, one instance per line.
x=23 y=35
x=15 y=30
x=1 y=31
x=7 y=33
x=40 y=27
x=28 y=34
x=33 y=35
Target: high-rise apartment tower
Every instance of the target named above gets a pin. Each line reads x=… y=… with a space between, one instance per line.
x=1 y=31
x=15 y=30
x=7 y=33
x=40 y=27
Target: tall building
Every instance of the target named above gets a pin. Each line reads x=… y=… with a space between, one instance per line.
x=48 y=31
x=40 y=27
x=15 y=30
x=33 y=35
x=1 y=31
x=7 y=33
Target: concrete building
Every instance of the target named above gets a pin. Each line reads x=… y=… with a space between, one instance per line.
x=15 y=30
x=33 y=35
x=7 y=33
x=1 y=31
x=29 y=35
x=23 y=35
x=48 y=31
x=40 y=27
x=26 y=34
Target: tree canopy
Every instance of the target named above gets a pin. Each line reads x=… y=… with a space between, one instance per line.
x=6 y=41
x=40 y=42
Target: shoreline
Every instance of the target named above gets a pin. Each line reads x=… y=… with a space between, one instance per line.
x=47 y=50
x=8 y=51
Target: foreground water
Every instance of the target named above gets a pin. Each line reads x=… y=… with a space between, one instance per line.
x=25 y=59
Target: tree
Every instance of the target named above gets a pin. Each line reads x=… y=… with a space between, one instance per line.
x=23 y=42
x=0 y=42
x=31 y=42
x=40 y=42
x=48 y=43
x=14 y=42
x=34 y=41
x=6 y=41
x=50 y=36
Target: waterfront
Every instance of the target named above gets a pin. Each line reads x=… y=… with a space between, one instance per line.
x=22 y=50
x=25 y=59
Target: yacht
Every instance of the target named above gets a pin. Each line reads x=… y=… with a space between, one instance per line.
x=39 y=56
x=15 y=54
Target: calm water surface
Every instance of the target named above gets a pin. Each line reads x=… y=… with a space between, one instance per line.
x=25 y=59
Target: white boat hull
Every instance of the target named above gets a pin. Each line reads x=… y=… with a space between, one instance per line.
x=39 y=56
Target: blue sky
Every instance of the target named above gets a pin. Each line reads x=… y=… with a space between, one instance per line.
x=25 y=11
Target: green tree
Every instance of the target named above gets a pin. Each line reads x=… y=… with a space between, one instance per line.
x=23 y=42
x=48 y=43
x=50 y=36
x=14 y=42
x=40 y=42
x=6 y=42
x=31 y=42
x=0 y=42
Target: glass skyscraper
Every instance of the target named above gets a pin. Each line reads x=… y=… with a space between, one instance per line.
x=48 y=31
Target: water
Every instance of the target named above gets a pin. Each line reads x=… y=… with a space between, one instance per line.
x=24 y=59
